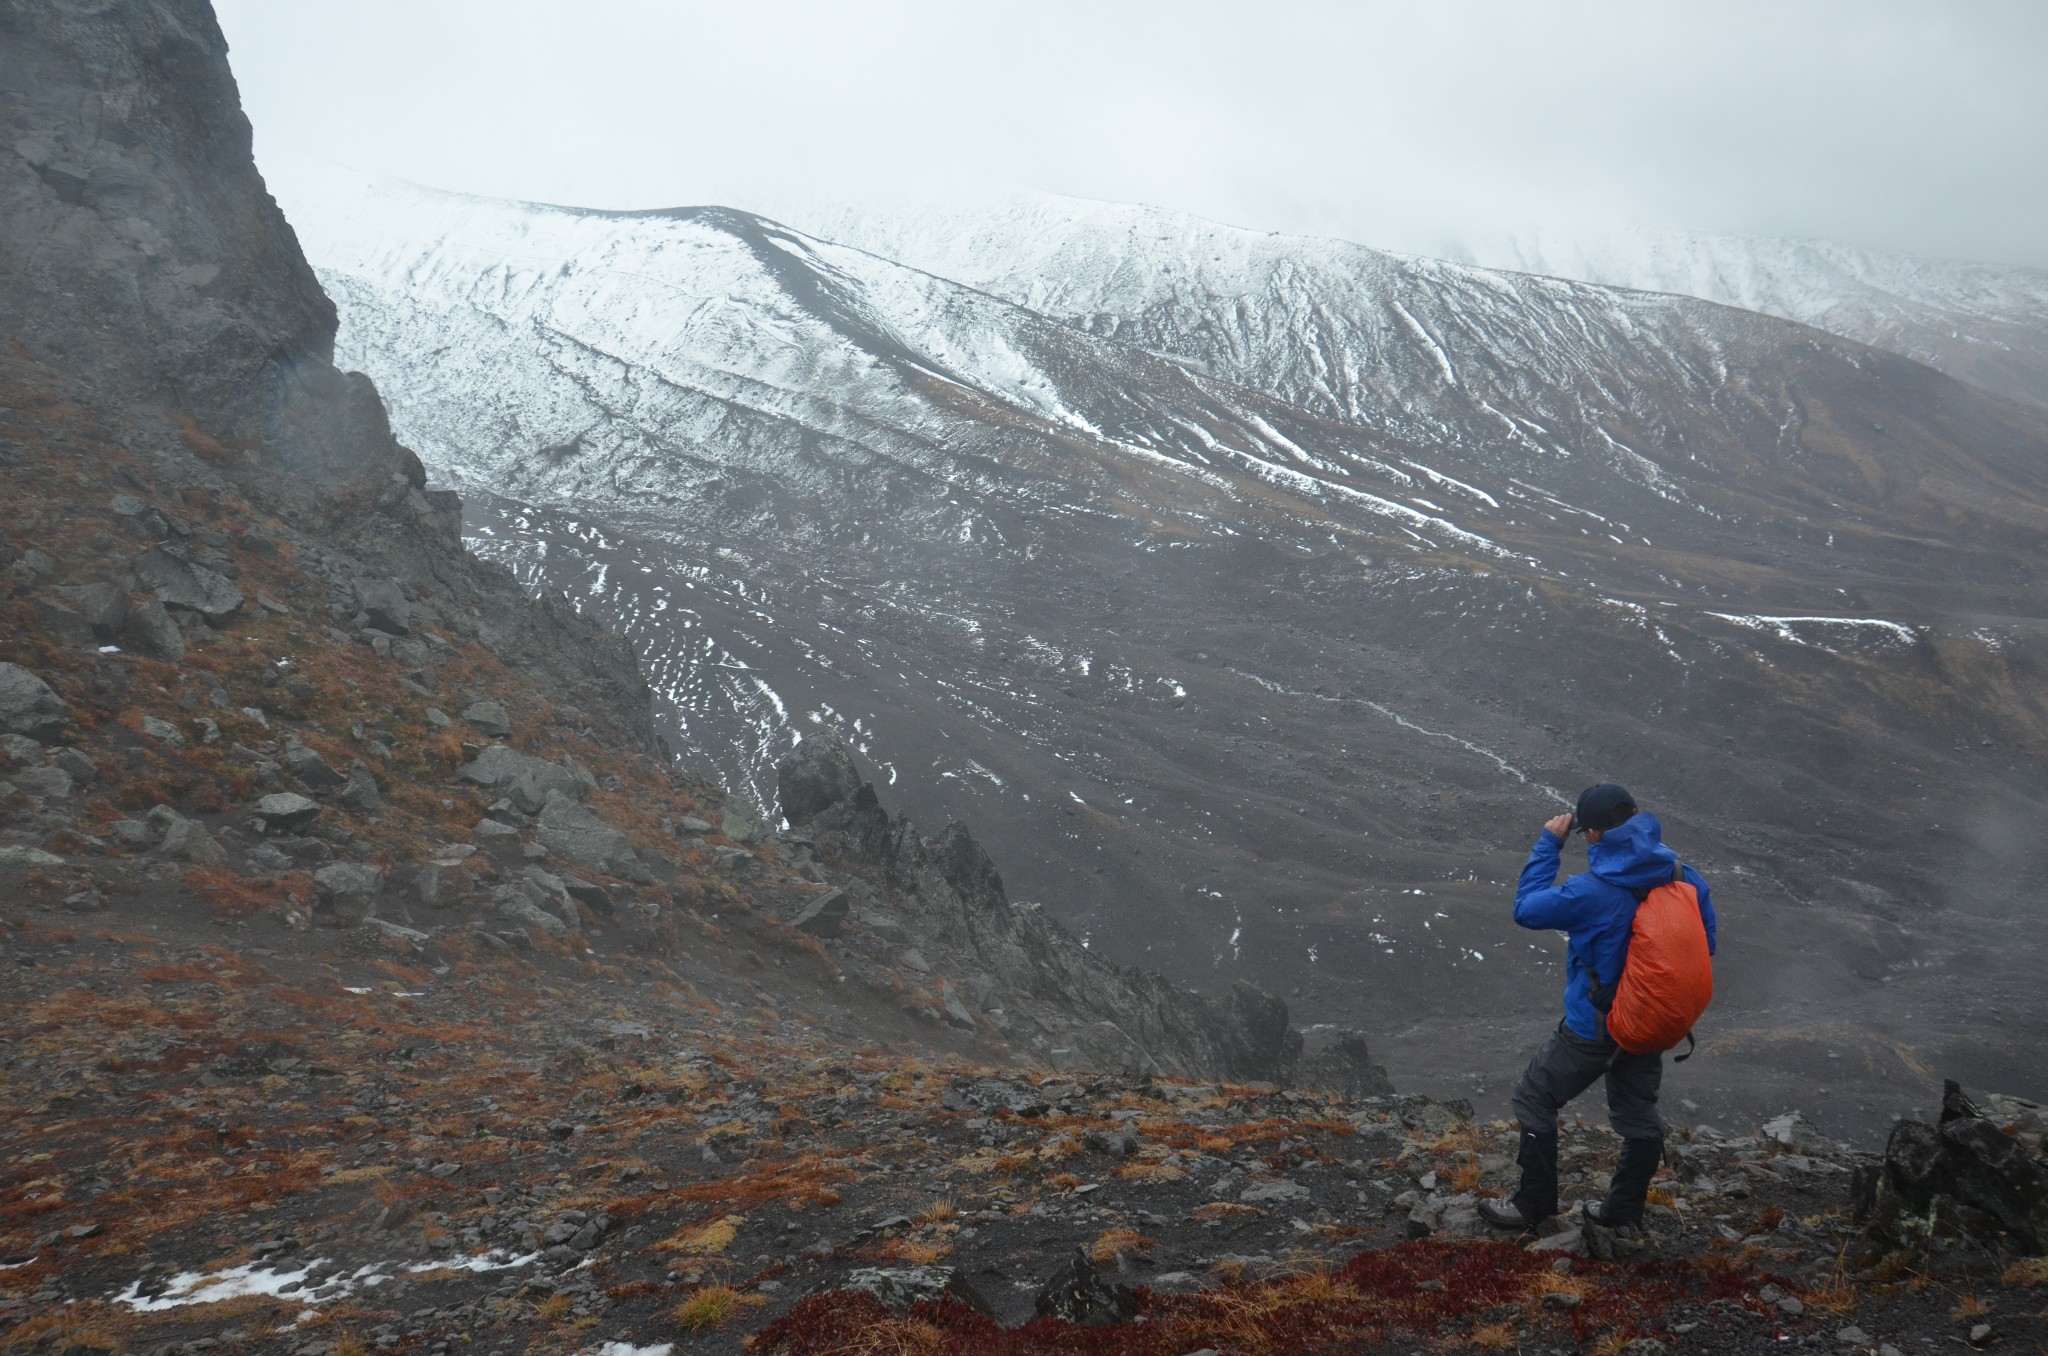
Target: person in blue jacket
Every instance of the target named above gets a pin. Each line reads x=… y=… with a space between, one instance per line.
x=1625 y=860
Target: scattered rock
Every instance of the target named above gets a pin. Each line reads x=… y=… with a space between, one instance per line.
x=163 y=732
x=1569 y=1240
x=16 y=855
x=1268 y=1193
x=579 y=837
x=490 y=717
x=151 y=630
x=309 y=767
x=825 y=915
x=103 y=607
x=286 y=812
x=740 y=828
x=383 y=602
x=522 y=904
x=359 y=791
x=179 y=581
x=51 y=783
x=1853 y=1336
x=29 y=706
x=346 y=892
x=186 y=840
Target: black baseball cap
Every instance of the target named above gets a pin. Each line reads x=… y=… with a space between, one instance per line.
x=1603 y=807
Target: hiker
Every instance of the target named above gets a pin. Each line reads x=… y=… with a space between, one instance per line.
x=1626 y=862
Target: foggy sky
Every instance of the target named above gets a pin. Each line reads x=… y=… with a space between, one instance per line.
x=1895 y=126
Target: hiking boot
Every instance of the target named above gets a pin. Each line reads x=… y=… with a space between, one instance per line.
x=1505 y=1215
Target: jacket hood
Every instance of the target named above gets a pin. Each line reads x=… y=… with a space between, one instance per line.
x=1632 y=855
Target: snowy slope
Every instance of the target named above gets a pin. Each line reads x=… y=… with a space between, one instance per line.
x=1107 y=265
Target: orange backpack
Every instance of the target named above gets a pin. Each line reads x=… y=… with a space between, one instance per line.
x=1667 y=979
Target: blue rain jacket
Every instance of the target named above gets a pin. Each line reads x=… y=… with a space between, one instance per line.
x=1596 y=907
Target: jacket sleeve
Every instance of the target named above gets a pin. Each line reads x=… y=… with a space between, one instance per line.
x=1541 y=903
x=1706 y=906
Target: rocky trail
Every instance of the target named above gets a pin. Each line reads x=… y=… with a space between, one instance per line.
x=240 y=1136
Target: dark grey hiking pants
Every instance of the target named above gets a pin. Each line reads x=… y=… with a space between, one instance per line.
x=1568 y=1064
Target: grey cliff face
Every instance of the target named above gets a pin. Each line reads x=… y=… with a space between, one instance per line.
x=149 y=273
x=953 y=889
x=145 y=252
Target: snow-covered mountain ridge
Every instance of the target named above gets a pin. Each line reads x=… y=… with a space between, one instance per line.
x=1104 y=264
x=1267 y=595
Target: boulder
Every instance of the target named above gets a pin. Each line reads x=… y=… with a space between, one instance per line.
x=530 y=786
x=582 y=839
x=150 y=629
x=825 y=915
x=900 y=1287
x=29 y=706
x=286 y=812
x=739 y=828
x=163 y=732
x=103 y=606
x=345 y=893
x=179 y=581
x=309 y=767
x=76 y=762
x=384 y=603
x=1963 y=1180
x=186 y=840
x=1078 y=1293
x=63 y=624
x=359 y=791
x=1274 y=1193
x=518 y=903
x=490 y=717
x=50 y=783
x=591 y=896
x=814 y=776
x=494 y=765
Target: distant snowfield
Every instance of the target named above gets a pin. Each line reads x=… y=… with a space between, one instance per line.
x=1983 y=323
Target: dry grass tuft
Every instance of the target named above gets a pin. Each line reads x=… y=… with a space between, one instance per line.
x=915 y=1252
x=713 y=1307
x=1225 y=1210
x=1493 y=1336
x=706 y=1240
x=1154 y=1174
x=2030 y=1271
x=896 y=1337
x=1114 y=1243
x=938 y=1212
x=1969 y=1309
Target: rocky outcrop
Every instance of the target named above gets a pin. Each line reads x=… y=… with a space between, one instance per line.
x=1127 y=1016
x=149 y=275
x=1972 y=1178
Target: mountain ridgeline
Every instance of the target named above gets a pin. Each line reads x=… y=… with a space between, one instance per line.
x=1255 y=597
